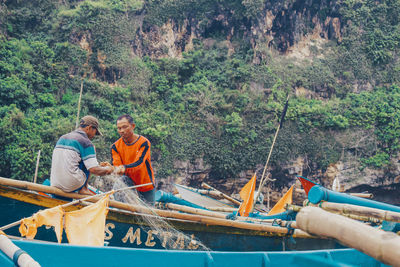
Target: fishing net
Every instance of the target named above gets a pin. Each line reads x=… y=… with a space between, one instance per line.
x=163 y=232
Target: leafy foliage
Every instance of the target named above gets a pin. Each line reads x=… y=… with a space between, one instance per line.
x=212 y=104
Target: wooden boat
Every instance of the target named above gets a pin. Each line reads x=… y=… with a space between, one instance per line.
x=168 y=199
x=340 y=216
x=127 y=228
x=371 y=240
x=317 y=194
x=52 y=254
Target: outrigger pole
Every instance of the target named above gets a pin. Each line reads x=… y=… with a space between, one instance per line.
x=79 y=104
x=80 y=95
x=263 y=178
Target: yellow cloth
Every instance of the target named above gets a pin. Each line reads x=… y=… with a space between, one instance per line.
x=247 y=194
x=50 y=217
x=280 y=205
x=28 y=228
x=86 y=226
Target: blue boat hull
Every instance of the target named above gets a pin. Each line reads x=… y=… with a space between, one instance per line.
x=68 y=255
x=125 y=229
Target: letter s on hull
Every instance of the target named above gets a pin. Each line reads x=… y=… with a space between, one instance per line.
x=107 y=232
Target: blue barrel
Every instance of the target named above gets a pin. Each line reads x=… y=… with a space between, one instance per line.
x=318 y=193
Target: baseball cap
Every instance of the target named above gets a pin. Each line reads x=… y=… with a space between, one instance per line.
x=91 y=121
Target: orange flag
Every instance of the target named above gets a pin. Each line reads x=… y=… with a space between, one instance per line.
x=247 y=194
x=280 y=205
x=307 y=184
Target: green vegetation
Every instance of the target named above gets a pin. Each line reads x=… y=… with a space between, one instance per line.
x=211 y=103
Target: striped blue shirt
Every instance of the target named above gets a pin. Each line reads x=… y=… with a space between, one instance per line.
x=73 y=156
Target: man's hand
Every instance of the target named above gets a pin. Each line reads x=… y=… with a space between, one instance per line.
x=104 y=164
x=101 y=170
x=109 y=167
x=120 y=170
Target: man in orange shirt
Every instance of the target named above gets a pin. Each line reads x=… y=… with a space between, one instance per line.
x=131 y=156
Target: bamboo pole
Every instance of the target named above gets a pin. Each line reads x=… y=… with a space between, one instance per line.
x=37 y=167
x=283 y=223
x=381 y=245
x=351 y=216
x=363 y=195
x=162 y=213
x=191 y=210
x=77 y=201
x=292 y=207
x=39 y=188
x=264 y=178
x=222 y=209
x=222 y=195
x=211 y=193
x=208 y=220
x=79 y=104
x=383 y=215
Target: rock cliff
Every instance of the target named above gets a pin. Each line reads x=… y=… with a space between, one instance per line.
x=287 y=29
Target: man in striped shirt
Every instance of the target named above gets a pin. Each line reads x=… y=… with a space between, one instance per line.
x=74 y=158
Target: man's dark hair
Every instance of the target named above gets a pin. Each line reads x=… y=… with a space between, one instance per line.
x=126 y=116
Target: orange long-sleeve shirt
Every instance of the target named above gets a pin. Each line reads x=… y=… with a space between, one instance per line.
x=136 y=158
